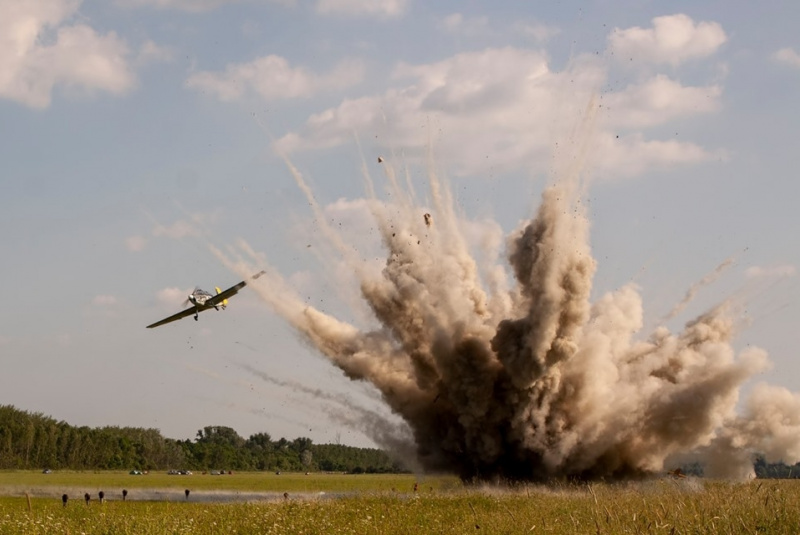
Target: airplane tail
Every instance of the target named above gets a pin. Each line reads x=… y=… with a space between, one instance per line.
x=224 y=301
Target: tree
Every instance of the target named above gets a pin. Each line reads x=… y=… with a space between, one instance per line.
x=260 y=442
x=300 y=444
x=220 y=447
x=31 y=440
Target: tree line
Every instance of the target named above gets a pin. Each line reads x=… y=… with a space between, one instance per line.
x=35 y=441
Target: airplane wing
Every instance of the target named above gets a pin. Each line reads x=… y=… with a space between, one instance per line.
x=233 y=290
x=182 y=314
x=211 y=302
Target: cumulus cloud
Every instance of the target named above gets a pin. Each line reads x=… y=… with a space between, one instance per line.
x=787 y=56
x=673 y=39
x=478 y=96
x=632 y=155
x=502 y=109
x=659 y=100
x=362 y=8
x=40 y=49
x=273 y=78
x=784 y=270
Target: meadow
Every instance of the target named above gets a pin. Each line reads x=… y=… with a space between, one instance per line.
x=112 y=482
x=364 y=504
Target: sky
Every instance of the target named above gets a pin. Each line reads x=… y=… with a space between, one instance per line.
x=138 y=136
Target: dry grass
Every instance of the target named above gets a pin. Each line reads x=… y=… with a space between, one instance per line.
x=659 y=506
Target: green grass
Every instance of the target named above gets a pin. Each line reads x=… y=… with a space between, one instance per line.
x=113 y=482
x=658 y=506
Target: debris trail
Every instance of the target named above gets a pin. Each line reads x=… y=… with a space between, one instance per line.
x=694 y=288
x=343 y=410
x=538 y=382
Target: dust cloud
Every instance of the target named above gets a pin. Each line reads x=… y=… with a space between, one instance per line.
x=515 y=373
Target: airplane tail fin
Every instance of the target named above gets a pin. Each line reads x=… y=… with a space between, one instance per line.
x=224 y=301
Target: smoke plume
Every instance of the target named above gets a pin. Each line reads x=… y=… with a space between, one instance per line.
x=527 y=379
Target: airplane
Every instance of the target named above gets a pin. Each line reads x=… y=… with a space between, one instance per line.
x=202 y=300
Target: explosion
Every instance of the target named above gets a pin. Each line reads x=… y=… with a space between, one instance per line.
x=530 y=380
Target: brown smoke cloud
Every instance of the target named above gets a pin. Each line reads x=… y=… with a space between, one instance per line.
x=528 y=379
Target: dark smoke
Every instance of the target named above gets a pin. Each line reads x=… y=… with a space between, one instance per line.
x=529 y=380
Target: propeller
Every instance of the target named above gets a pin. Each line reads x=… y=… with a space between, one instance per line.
x=188 y=300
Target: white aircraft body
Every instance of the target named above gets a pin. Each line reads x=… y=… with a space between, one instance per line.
x=201 y=300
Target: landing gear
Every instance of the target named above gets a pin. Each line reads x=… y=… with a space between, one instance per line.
x=195 y=317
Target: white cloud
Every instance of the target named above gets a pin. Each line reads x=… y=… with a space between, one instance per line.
x=503 y=109
x=632 y=155
x=456 y=23
x=272 y=78
x=39 y=49
x=785 y=270
x=150 y=52
x=673 y=39
x=362 y=8
x=135 y=243
x=787 y=56
x=104 y=300
x=474 y=95
x=659 y=100
x=172 y=296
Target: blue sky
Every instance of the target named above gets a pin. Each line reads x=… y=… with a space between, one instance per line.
x=137 y=133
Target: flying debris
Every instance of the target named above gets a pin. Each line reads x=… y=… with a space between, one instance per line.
x=677 y=473
x=428 y=220
x=507 y=369
x=202 y=300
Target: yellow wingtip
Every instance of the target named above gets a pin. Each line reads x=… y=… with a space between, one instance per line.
x=224 y=301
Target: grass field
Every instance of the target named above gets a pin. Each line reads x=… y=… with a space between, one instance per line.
x=112 y=483
x=440 y=505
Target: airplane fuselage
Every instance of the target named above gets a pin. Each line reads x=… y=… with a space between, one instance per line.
x=199 y=297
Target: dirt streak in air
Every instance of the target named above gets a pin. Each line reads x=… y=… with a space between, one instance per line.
x=528 y=379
